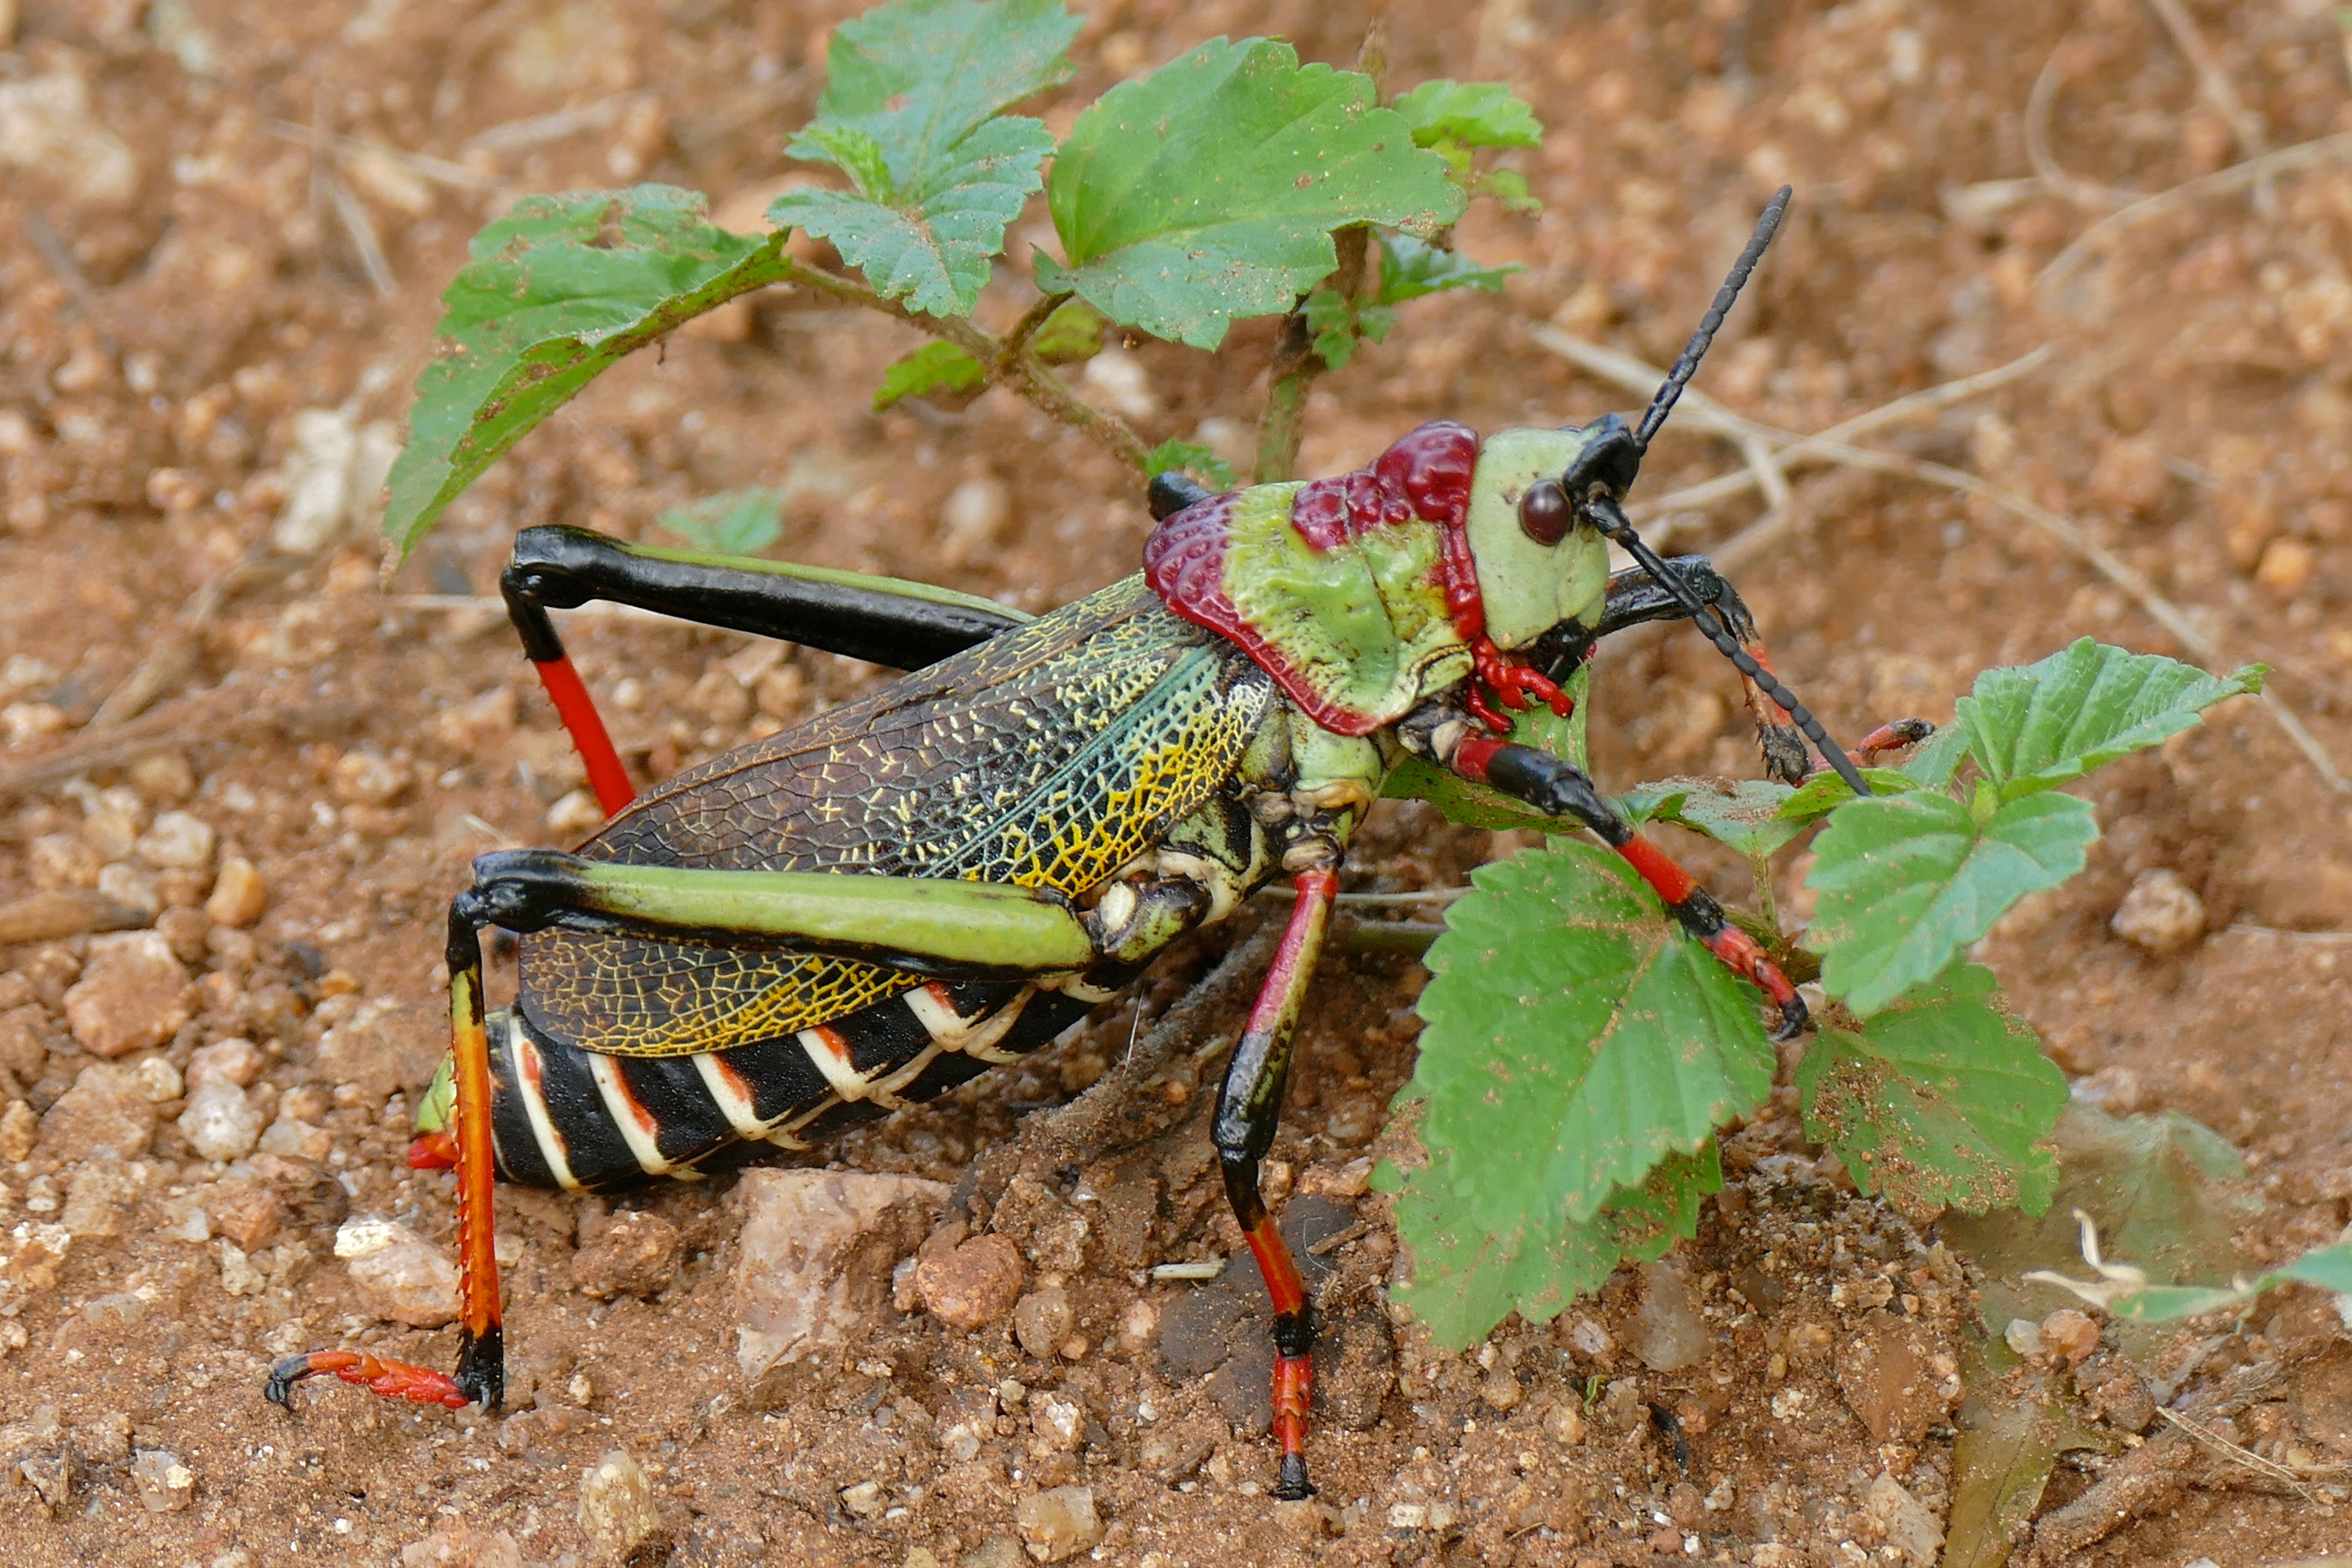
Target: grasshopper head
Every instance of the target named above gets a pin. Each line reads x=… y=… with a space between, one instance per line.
x=1539 y=562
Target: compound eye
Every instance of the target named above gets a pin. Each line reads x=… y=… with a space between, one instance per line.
x=1544 y=512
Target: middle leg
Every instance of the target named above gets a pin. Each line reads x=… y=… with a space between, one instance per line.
x=1249 y=1108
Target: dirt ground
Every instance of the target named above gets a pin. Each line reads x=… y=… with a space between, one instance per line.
x=214 y=282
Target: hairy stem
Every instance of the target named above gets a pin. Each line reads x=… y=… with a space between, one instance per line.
x=1007 y=363
x=1295 y=364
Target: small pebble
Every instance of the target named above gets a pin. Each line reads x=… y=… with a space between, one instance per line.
x=864 y=1499
x=133 y=994
x=20 y=1130
x=158 y=1079
x=973 y=1284
x=2069 y=1334
x=635 y=1254
x=1059 y=1424
x=290 y=1137
x=1042 y=1320
x=403 y=1276
x=617 y=1502
x=220 y=1123
x=164 y=1484
x=103 y=1115
x=1058 y=1523
x=248 y=1212
x=238 y=1061
x=240 y=1278
x=177 y=841
x=99 y=1196
x=2161 y=913
x=1668 y=1334
x=239 y=894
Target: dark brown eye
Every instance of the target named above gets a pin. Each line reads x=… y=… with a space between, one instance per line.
x=1544 y=512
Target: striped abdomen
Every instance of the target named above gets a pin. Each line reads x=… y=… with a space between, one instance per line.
x=564 y=1117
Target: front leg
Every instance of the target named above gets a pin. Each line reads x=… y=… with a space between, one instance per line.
x=1249 y=1107
x=1558 y=788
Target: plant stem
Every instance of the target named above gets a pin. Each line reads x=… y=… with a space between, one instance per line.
x=1006 y=363
x=1295 y=364
x=1016 y=342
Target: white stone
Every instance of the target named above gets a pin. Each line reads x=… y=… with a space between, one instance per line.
x=157 y=1078
x=2161 y=913
x=45 y=125
x=1905 y=1522
x=332 y=475
x=617 y=1502
x=816 y=1254
x=220 y=1123
x=238 y=1276
x=291 y=1139
x=178 y=841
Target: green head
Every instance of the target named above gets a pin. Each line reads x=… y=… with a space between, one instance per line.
x=1538 y=562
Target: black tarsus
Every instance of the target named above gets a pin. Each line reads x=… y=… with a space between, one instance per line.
x=1695 y=349
x=560 y=567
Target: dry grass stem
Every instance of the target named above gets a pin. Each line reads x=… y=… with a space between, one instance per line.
x=361 y=230
x=425 y=166
x=2220 y=183
x=2243 y=1456
x=1699 y=409
x=2038 y=103
x=2244 y=124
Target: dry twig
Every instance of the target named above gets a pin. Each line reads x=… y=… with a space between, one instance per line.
x=2245 y=125
x=2038 y=104
x=2220 y=183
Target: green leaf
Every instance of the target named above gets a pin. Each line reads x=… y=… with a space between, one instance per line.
x=1938 y=759
x=1208 y=190
x=2050 y=723
x=2166 y=1193
x=2011 y=1431
x=855 y=153
x=557 y=289
x=1409 y=269
x=1466 y=1279
x=931 y=242
x=1825 y=791
x=917 y=76
x=912 y=92
x=1940 y=1102
x=1744 y=816
x=1575 y=1036
x=1507 y=188
x=1193 y=459
x=1907 y=882
x=733 y=522
x=1338 y=323
x=1072 y=333
x=937 y=366
x=1474 y=113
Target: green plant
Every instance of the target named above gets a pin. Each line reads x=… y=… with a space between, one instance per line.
x=1233 y=182
x=1579 y=1053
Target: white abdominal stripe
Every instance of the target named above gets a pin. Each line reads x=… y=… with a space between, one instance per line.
x=565 y=1116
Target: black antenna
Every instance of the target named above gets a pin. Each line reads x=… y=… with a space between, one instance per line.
x=1712 y=322
x=1603 y=508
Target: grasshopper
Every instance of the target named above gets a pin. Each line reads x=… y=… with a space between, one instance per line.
x=872 y=907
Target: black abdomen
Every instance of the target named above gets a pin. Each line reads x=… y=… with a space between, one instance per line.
x=564 y=1117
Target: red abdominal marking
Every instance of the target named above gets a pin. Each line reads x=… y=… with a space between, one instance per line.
x=578 y=711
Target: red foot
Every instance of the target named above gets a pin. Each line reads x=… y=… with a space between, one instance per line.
x=433 y=1150
x=1511 y=683
x=393 y=1379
